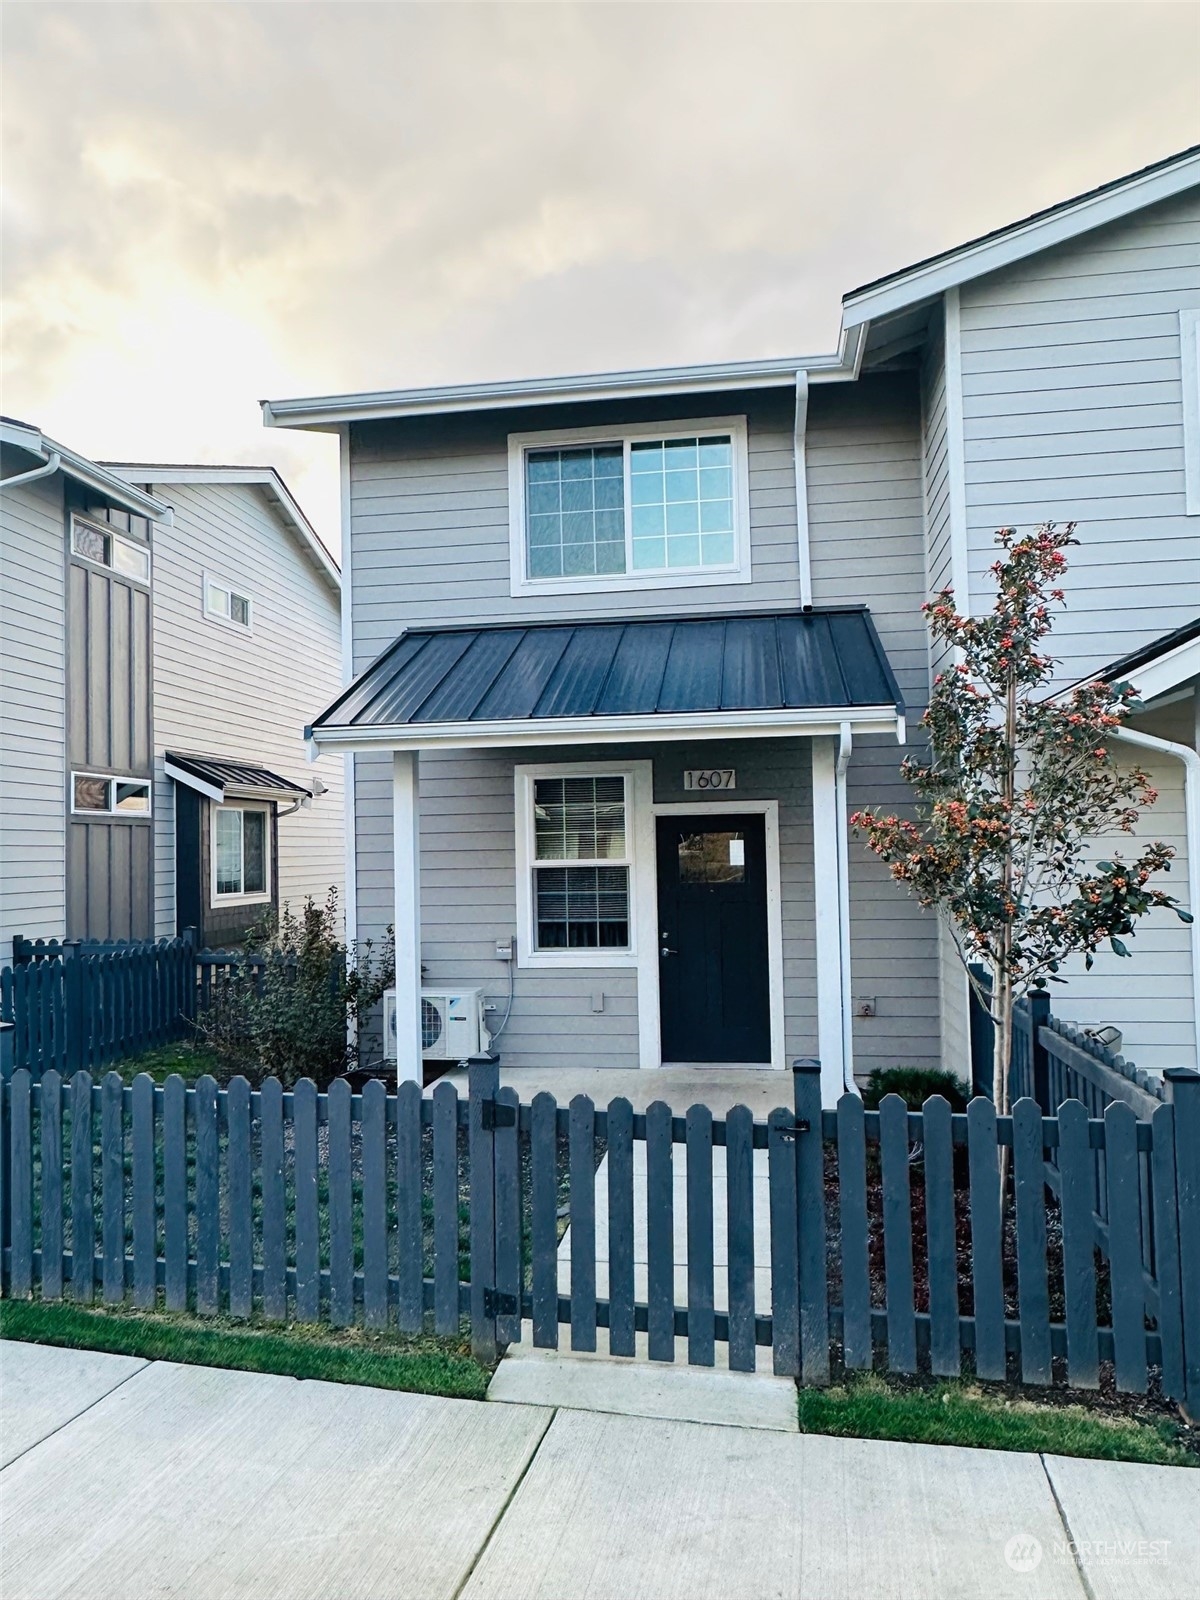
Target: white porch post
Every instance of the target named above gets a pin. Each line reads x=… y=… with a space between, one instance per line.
x=406 y=856
x=830 y=853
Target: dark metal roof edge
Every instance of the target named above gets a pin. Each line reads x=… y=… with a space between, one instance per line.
x=358 y=678
x=1149 y=652
x=885 y=664
x=198 y=766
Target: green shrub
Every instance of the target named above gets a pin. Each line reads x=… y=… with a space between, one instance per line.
x=914 y=1085
x=297 y=1013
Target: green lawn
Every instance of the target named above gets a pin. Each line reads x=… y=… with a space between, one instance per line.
x=941 y=1411
x=350 y=1355
x=190 y=1061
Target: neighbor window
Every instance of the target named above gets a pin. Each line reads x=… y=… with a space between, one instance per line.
x=649 y=505
x=241 y=853
x=580 y=863
x=95 y=794
x=225 y=604
x=104 y=547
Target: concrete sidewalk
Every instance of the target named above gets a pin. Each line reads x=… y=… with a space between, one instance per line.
x=128 y=1479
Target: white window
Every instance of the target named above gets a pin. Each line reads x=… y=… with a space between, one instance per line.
x=1189 y=349
x=629 y=508
x=577 y=853
x=223 y=603
x=104 y=547
x=96 y=794
x=241 y=853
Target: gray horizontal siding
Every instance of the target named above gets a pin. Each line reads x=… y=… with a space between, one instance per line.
x=32 y=713
x=221 y=691
x=1072 y=405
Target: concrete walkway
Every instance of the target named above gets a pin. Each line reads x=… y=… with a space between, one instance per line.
x=127 y=1479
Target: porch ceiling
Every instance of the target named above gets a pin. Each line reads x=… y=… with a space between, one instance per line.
x=775 y=673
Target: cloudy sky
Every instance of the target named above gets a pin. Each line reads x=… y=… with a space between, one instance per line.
x=207 y=204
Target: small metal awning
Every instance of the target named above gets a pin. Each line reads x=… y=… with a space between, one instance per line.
x=745 y=674
x=221 y=779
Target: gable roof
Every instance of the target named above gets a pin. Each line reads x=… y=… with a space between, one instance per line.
x=1016 y=240
x=94 y=475
x=268 y=479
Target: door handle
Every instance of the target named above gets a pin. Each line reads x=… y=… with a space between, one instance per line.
x=665 y=952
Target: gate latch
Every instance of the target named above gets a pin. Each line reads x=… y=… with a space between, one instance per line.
x=493 y=1115
x=498 y=1304
x=801 y=1126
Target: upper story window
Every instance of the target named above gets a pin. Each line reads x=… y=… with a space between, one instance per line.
x=104 y=547
x=223 y=603
x=631 y=508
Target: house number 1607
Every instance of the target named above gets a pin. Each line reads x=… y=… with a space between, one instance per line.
x=711 y=778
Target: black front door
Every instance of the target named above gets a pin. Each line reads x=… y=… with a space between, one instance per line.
x=713 y=966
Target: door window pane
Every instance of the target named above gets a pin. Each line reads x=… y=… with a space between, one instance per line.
x=712 y=858
x=254 y=846
x=582 y=908
x=91 y=794
x=228 y=844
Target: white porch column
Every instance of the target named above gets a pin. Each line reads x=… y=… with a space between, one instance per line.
x=831 y=897
x=406 y=856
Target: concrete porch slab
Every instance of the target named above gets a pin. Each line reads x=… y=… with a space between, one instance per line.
x=42 y=1387
x=210 y=1484
x=1135 y=1528
x=635 y=1386
x=719 y=1088
x=614 y=1507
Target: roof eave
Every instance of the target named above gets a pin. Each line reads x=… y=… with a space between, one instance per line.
x=91 y=474
x=952 y=268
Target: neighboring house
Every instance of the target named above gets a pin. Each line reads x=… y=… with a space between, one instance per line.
x=631 y=647
x=165 y=632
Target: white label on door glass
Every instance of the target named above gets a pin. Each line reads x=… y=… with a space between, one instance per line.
x=737 y=852
x=711 y=778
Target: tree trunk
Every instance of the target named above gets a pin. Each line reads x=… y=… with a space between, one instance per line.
x=1002 y=1012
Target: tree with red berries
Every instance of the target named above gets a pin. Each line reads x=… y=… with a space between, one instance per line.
x=1018 y=786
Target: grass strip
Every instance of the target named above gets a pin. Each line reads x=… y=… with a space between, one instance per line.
x=352 y=1355
x=868 y=1406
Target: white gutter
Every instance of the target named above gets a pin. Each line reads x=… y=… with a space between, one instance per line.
x=44 y=471
x=845 y=749
x=1191 y=791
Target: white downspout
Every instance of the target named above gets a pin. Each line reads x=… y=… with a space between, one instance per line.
x=845 y=749
x=799 y=457
x=1191 y=792
x=51 y=464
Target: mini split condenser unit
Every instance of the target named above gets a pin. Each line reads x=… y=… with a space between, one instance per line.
x=452 y=1025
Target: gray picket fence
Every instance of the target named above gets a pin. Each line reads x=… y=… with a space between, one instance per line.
x=889 y=1245
x=75 y=1005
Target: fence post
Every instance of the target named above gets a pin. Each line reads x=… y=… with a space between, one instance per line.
x=483 y=1079
x=1183 y=1089
x=810 y=1223
x=1039 y=1056
x=76 y=1054
x=7 y=1033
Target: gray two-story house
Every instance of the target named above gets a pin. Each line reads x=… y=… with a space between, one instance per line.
x=624 y=652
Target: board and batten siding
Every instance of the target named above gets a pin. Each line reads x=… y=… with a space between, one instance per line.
x=32 y=712
x=1073 y=410
x=223 y=691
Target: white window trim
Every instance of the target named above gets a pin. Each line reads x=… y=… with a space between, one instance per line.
x=608 y=583
x=217 y=582
x=639 y=829
x=117 y=537
x=260 y=897
x=1189 y=351
x=112 y=778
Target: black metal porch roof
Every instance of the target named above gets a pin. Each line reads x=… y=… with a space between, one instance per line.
x=820 y=659
x=241 y=778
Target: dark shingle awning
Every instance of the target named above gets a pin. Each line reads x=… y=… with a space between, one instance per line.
x=741 y=673
x=222 y=779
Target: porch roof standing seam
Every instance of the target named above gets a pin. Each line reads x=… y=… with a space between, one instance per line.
x=829 y=658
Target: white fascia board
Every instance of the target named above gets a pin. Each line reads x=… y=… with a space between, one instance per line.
x=332 y=411
x=1153 y=678
x=266 y=478
x=525 y=732
x=91 y=474
x=190 y=781
x=1020 y=241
